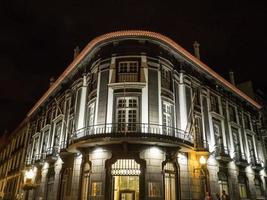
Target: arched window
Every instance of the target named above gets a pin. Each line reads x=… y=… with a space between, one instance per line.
x=170 y=180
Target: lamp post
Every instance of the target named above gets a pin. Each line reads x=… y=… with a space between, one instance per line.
x=204 y=173
x=28 y=185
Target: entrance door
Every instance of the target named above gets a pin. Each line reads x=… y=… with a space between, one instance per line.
x=125 y=175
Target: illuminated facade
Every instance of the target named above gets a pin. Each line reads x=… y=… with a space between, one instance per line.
x=12 y=162
x=135 y=116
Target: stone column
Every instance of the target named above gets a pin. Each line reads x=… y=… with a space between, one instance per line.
x=81 y=113
x=154 y=158
x=76 y=173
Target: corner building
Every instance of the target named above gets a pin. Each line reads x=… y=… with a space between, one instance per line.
x=130 y=118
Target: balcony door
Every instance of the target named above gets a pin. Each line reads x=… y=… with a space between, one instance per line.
x=127 y=114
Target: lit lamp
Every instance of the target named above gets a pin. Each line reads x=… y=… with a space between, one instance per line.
x=28 y=185
x=202 y=161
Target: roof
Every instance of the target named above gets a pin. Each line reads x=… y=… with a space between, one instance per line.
x=138 y=33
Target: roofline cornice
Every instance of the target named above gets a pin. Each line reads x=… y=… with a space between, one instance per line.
x=139 y=33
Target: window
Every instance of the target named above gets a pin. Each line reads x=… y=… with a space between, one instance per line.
x=247 y=122
x=45 y=141
x=223 y=182
x=214 y=103
x=217 y=132
x=251 y=149
x=167 y=118
x=57 y=134
x=165 y=78
x=90 y=115
x=170 y=179
x=242 y=187
x=96 y=189
x=127 y=71
x=232 y=113
x=236 y=141
x=127 y=114
x=198 y=129
x=128 y=67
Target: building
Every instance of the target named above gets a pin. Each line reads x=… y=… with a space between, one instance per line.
x=135 y=116
x=12 y=162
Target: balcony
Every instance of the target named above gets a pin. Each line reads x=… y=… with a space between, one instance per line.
x=240 y=159
x=222 y=153
x=256 y=164
x=202 y=145
x=137 y=131
x=128 y=77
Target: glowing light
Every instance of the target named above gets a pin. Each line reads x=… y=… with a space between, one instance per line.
x=202 y=160
x=29 y=174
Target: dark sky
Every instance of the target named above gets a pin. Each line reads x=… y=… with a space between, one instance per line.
x=37 y=39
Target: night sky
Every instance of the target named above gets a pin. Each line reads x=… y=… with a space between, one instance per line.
x=37 y=39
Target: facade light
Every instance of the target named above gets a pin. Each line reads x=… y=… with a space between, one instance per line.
x=29 y=174
x=202 y=160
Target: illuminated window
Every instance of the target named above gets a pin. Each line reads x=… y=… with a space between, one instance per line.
x=167 y=118
x=127 y=114
x=96 y=189
x=170 y=180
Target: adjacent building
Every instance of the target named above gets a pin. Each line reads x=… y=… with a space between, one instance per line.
x=135 y=116
x=12 y=162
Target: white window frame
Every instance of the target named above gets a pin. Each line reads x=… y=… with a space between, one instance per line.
x=127 y=67
x=167 y=113
x=126 y=108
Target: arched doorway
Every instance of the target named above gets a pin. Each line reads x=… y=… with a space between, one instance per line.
x=125 y=179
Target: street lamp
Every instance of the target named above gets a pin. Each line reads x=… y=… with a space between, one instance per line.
x=29 y=179
x=203 y=173
x=202 y=160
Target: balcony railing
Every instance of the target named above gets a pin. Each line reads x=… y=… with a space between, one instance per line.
x=128 y=77
x=132 y=130
x=221 y=150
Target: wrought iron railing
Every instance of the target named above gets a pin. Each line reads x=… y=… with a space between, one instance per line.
x=240 y=157
x=128 y=77
x=254 y=161
x=221 y=150
x=132 y=130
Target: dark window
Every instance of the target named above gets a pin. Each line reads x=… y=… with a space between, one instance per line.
x=214 y=103
x=166 y=78
x=232 y=113
x=247 y=122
